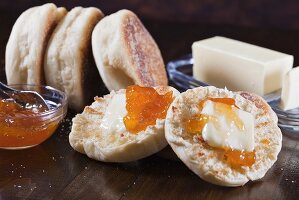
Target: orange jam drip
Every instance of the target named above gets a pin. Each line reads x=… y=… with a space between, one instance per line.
x=144 y=106
x=237 y=158
x=265 y=141
x=223 y=106
x=21 y=127
x=230 y=115
x=227 y=101
x=195 y=125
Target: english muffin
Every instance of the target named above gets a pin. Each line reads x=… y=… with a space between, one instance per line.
x=126 y=53
x=27 y=43
x=223 y=165
x=69 y=65
x=102 y=133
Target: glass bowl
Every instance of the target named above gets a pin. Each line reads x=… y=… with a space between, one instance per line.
x=20 y=131
x=181 y=74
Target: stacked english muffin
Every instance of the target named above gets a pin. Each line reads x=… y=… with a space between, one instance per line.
x=67 y=50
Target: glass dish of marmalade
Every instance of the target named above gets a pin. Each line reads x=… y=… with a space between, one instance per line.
x=22 y=127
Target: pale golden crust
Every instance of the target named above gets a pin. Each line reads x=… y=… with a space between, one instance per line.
x=125 y=52
x=60 y=13
x=145 y=56
x=27 y=43
x=69 y=65
x=260 y=103
x=209 y=163
x=89 y=138
x=90 y=78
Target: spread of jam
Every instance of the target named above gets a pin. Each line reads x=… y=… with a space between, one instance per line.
x=195 y=125
x=144 y=106
x=21 y=127
x=224 y=106
x=265 y=141
x=237 y=158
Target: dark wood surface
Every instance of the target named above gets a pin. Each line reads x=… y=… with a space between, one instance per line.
x=53 y=170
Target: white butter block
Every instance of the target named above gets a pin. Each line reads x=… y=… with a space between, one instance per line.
x=290 y=90
x=224 y=62
x=228 y=134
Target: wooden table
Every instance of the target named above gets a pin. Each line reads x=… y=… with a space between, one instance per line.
x=53 y=170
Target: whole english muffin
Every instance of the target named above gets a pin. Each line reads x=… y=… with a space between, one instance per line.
x=89 y=135
x=126 y=53
x=209 y=163
x=27 y=43
x=69 y=65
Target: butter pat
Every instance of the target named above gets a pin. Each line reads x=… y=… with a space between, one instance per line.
x=112 y=121
x=224 y=62
x=290 y=90
x=223 y=133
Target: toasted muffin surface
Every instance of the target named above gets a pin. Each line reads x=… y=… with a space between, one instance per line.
x=89 y=137
x=125 y=52
x=208 y=162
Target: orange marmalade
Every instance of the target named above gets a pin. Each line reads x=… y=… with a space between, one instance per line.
x=22 y=127
x=195 y=125
x=144 y=106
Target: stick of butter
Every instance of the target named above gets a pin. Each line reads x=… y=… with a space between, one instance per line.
x=224 y=62
x=290 y=90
